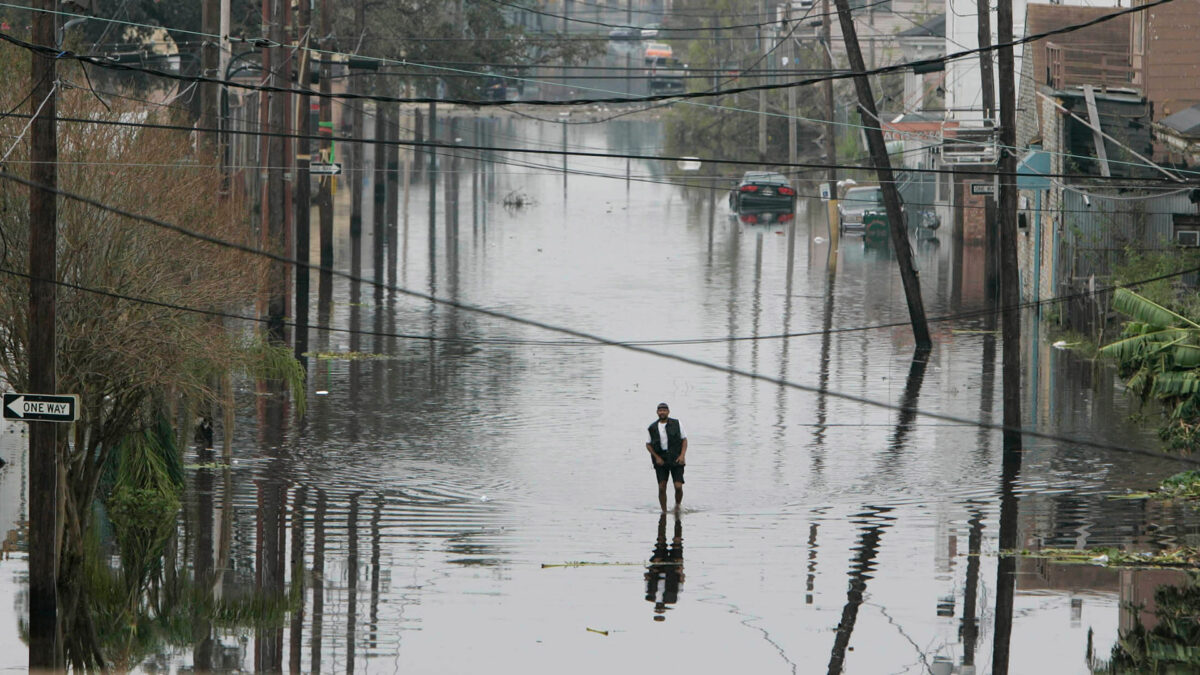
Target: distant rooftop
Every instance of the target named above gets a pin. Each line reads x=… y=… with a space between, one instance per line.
x=1186 y=122
x=934 y=27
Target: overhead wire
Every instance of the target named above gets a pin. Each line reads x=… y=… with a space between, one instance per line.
x=592 y=337
x=673 y=98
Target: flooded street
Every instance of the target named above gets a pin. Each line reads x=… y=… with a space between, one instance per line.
x=467 y=494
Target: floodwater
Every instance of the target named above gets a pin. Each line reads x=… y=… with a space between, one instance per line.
x=474 y=496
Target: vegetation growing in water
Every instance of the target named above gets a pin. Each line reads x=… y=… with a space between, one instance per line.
x=1159 y=355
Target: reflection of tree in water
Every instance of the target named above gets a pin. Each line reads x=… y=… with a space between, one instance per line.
x=665 y=568
x=1170 y=646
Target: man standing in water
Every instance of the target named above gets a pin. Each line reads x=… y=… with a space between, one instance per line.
x=667 y=447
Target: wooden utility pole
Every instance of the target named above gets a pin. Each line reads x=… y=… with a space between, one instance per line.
x=791 y=93
x=276 y=158
x=988 y=89
x=887 y=181
x=830 y=130
x=355 y=152
x=45 y=645
x=379 y=211
x=393 y=181
x=762 y=93
x=303 y=196
x=326 y=133
x=1010 y=337
x=1009 y=281
x=210 y=92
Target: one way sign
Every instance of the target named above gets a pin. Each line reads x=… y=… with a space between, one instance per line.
x=41 y=407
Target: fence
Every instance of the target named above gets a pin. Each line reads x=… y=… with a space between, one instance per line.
x=1099 y=232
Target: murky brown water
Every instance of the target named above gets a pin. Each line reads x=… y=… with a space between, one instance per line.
x=433 y=499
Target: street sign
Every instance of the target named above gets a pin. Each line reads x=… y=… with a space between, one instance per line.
x=826 y=193
x=330 y=169
x=983 y=189
x=689 y=163
x=41 y=407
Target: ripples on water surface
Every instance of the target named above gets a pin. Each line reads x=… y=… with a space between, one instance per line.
x=816 y=530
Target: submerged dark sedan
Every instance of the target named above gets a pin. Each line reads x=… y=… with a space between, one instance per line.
x=762 y=189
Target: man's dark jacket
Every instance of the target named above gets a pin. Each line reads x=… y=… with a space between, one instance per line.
x=674 y=440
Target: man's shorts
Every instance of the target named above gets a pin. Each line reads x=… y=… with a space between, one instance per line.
x=675 y=471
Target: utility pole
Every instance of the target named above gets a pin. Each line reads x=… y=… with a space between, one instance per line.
x=379 y=180
x=326 y=133
x=762 y=93
x=355 y=152
x=1009 y=291
x=791 y=93
x=830 y=130
x=988 y=89
x=1010 y=336
x=393 y=180
x=303 y=198
x=887 y=181
x=209 y=91
x=45 y=645
x=275 y=159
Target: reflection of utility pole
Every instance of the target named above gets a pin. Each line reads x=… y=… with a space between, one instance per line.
x=969 y=628
x=887 y=181
x=45 y=650
x=864 y=562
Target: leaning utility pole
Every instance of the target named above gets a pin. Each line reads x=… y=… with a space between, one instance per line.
x=45 y=647
x=887 y=181
x=830 y=129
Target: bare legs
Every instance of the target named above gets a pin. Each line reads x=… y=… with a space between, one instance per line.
x=662 y=495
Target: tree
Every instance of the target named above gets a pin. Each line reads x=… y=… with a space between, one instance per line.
x=134 y=339
x=1159 y=355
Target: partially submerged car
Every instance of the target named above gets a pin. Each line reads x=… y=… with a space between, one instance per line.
x=762 y=190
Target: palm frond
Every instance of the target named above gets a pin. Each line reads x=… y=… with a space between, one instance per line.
x=1186 y=356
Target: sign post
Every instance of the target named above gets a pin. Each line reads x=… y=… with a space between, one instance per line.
x=325 y=169
x=41 y=407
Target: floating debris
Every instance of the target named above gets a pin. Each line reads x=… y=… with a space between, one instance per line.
x=597 y=630
x=1181 y=557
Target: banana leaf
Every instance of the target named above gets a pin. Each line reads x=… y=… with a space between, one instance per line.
x=1186 y=356
x=1176 y=383
x=1141 y=309
x=1145 y=345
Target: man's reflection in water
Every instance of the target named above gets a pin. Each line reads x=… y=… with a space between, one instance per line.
x=665 y=568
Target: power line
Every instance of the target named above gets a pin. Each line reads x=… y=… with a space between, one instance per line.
x=812 y=166
x=534 y=323
x=660 y=97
